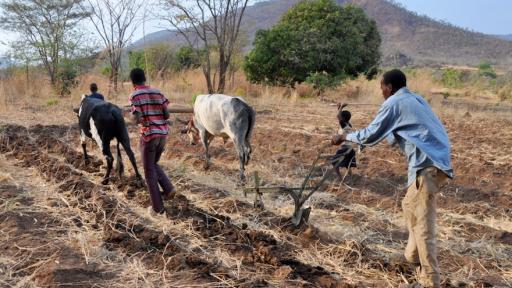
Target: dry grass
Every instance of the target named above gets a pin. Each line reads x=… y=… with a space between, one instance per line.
x=36 y=94
x=5 y=177
x=299 y=116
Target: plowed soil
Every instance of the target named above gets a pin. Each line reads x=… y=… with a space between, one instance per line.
x=61 y=227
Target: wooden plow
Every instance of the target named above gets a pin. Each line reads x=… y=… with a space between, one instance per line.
x=299 y=194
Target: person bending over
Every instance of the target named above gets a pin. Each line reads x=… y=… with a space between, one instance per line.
x=406 y=119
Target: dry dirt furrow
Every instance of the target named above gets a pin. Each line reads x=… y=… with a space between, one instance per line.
x=382 y=192
x=348 y=253
x=254 y=248
x=359 y=255
x=121 y=228
x=34 y=246
x=284 y=156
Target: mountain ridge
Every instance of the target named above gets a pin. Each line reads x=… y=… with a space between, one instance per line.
x=407 y=38
x=507 y=37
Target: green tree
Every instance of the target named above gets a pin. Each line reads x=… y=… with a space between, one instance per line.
x=161 y=58
x=187 y=59
x=67 y=77
x=316 y=39
x=48 y=27
x=136 y=60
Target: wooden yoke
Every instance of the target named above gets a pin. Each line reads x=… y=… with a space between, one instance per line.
x=175 y=110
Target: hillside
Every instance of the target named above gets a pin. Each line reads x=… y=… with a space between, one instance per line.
x=408 y=38
x=507 y=37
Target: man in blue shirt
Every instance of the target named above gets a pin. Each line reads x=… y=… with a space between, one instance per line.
x=94 y=92
x=406 y=119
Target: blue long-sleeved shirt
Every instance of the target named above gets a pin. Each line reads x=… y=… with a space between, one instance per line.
x=406 y=119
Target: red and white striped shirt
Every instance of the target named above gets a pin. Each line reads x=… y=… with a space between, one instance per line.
x=150 y=103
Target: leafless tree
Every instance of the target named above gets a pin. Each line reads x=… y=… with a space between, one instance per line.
x=212 y=28
x=115 y=21
x=46 y=26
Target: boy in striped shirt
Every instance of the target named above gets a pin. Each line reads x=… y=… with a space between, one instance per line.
x=149 y=110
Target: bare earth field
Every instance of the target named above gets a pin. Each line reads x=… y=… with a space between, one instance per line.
x=60 y=228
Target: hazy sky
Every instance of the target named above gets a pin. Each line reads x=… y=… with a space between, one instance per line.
x=487 y=16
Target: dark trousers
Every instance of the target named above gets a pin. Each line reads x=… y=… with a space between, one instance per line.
x=345 y=157
x=151 y=152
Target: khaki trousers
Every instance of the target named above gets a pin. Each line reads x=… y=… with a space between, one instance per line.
x=419 y=206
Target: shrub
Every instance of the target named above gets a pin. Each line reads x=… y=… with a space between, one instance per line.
x=52 y=102
x=67 y=77
x=323 y=81
x=485 y=65
x=106 y=70
x=486 y=70
x=451 y=78
x=136 y=60
x=187 y=59
x=161 y=58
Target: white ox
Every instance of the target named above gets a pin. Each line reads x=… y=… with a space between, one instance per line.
x=226 y=117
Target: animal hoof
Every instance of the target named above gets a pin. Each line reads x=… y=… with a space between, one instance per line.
x=139 y=183
x=206 y=166
x=105 y=181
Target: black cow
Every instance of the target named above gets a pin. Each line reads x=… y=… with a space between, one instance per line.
x=103 y=121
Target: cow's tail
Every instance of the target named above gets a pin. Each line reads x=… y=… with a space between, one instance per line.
x=248 y=135
x=245 y=145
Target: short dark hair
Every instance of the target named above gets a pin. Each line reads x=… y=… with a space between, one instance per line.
x=396 y=78
x=93 y=87
x=344 y=118
x=138 y=76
